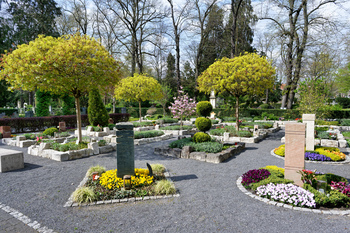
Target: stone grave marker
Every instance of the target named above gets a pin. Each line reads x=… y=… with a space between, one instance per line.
x=125 y=149
x=256 y=131
x=5 y=131
x=294 y=152
x=62 y=126
x=309 y=120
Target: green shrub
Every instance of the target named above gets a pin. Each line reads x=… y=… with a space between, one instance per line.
x=180 y=143
x=244 y=134
x=96 y=168
x=50 y=131
x=335 y=199
x=346 y=134
x=270 y=179
x=264 y=106
x=176 y=127
x=64 y=134
x=84 y=194
x=201 y=137
x=213 y=122
x=102 y=143
x=229 y=119
x=30 y=136
x=203 y=124
x=322 y=135
x=321 y=122
x=204 y=108
x=321 y=128
x=96 y=128
x=164 y=187
x=207 y=147
x=97 y=112
x=345 y=122
x=142 y=124
x=218 y=131
x=111 y=126
x=168 y=120
x=331 y=177
x=148 y=134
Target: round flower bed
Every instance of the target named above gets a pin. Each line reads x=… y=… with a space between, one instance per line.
x=335 y=192
x=319 y=154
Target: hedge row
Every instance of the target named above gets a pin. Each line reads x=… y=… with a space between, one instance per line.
x=34 y=124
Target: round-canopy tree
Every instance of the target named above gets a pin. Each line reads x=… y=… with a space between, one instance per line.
x=70 y=64
x=249 y=74
x=139 y=87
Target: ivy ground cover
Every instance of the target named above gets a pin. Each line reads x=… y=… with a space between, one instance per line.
x=269 y=182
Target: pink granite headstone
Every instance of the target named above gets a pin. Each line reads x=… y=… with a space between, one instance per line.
x=295 y=152
x=62 y=126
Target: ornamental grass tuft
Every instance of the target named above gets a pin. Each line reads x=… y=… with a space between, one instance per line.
x=84 y=194
x=158 y=168
x=164 y=187
x=97 y=168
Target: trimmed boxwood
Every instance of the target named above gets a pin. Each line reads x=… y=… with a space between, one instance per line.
x=203 y=124
x=201 y=137
x=204 y=108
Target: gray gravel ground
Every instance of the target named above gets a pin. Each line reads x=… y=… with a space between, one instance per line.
x=209 y=198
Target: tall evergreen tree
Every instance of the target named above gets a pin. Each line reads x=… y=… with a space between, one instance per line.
x=170 y=77
x=43 y=102
x=31 y=18
x=97 y=112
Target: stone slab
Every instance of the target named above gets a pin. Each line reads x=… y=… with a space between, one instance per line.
x=11 y=160
x=309 y=117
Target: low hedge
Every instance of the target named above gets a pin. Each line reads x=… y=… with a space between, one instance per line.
x=34 y=124
x=148 y=134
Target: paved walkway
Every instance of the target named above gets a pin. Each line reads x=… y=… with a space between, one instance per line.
x=209 y=198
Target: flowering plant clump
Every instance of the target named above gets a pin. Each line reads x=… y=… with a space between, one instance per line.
x=341 y=187
x=280 y=150
x=287 y=193
x=334 y=154
x=183 y=106
x=254 y=176
x=39 y=139
x=110 y=180
x=316 y=157
x=308 y=177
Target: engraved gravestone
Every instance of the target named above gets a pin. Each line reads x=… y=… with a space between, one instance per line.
x=309 y=120
x=294 y=152
x=125 y=149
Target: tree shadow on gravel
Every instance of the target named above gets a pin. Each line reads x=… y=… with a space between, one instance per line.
x=184 y=177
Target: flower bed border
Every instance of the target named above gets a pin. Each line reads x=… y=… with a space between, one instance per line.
x=346 y=161
x=280 y=204
x=71 y=203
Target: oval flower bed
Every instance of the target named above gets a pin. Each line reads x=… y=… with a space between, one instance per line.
x=102 y=185
x=319 y=154
x=269 y=182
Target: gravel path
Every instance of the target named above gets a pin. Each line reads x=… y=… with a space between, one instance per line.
x=209 y=198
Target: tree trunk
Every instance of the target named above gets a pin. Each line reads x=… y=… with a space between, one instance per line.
x=284 y=101
x=237 y=113
x=177 y=41
x=291 y=98
x=113 y=104
x=77 y=107
x=140 y=111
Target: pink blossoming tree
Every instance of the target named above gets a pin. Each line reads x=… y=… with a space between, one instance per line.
x=183 y=106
